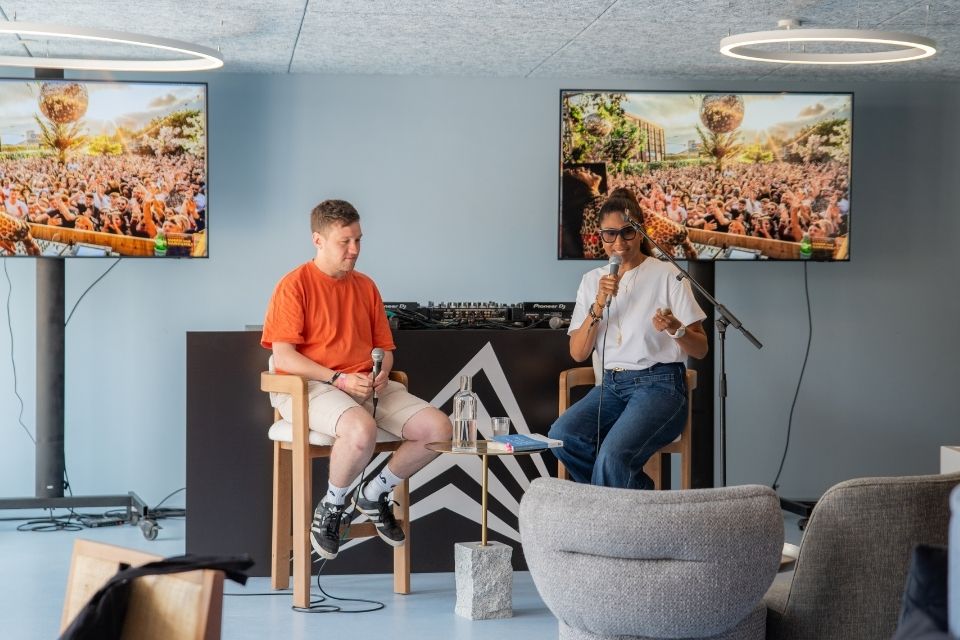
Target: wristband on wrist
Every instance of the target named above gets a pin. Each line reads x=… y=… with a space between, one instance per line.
x=333 y=379
x=596 y=318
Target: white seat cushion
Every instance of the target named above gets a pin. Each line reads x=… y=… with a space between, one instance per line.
x=283 y=432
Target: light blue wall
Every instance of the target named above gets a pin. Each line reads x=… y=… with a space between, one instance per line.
x=456 y=180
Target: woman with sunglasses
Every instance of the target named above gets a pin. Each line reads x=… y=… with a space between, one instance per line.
x=643 y=324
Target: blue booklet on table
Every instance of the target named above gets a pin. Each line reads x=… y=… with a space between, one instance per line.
x=523 y=442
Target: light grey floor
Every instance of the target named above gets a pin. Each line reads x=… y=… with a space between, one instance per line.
x=33 y=576
x=34 y=566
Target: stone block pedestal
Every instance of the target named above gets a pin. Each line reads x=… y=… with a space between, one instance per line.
x=484 y=580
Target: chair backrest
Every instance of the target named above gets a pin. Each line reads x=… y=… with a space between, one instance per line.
x=657 y=564
x=856 y=550
x=180 y=606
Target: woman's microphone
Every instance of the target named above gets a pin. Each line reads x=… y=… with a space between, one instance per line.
x=615 y=261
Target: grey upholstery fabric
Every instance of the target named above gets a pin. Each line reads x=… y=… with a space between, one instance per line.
x=620 y=563
x=953 y=573
x=753 y=626
x=854 y=557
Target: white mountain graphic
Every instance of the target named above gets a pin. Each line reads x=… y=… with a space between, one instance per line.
x=453 y=498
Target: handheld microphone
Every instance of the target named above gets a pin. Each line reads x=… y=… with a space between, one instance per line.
x=377 y=355
x=615 y=262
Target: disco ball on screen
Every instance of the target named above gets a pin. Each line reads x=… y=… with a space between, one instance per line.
x=596 y=125
x=721 y=113
x=63 y=102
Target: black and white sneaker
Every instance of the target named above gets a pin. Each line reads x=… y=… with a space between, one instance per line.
x=325 y=529
x=381 y=515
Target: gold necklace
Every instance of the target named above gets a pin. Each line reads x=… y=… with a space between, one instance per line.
x=626 y=307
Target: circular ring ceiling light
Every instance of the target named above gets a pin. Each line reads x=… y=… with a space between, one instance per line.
x=202 y=58
x=908 y=46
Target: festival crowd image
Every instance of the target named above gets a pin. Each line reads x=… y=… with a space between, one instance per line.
x=716 y=175
x=103 y=168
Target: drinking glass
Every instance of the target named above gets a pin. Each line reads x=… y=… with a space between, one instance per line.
x=501 y=426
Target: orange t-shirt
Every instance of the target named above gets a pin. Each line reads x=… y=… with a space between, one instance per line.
x=335 y=323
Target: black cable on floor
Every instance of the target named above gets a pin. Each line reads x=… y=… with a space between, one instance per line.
x=52 y=523
x=318 y=606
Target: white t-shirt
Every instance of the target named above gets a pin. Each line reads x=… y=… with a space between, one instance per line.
x=647 y=287
x=677 y=214
x=17 y=209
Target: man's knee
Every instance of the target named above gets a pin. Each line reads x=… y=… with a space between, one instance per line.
x=356 y=428
x=429 y=425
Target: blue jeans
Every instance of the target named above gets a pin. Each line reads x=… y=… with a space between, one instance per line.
x=641 y=412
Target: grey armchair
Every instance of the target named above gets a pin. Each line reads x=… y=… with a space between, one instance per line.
x=850 y=574
x=953 y=593
x=620 y=563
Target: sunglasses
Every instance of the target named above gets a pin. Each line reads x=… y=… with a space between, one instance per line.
x=610 y=235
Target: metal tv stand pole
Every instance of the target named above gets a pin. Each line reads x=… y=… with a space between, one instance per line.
x=726 y=318
x=49 y=470
x=50 y=465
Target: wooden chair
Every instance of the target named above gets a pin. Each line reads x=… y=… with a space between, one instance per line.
x=654 y=468
x=293 y=485
x=176 y=606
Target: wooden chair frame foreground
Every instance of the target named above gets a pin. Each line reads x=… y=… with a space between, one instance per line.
x=654 y=468
x=174 y=606
x=292 y=496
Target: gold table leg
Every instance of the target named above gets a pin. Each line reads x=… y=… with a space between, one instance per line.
x=483 y=519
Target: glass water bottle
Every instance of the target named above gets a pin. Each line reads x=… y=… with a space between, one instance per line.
x=465 y=416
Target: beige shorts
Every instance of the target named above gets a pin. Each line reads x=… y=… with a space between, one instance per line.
x=327 y=404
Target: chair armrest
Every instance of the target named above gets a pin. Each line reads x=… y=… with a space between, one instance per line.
x=282 y=383
x=296 y=386
x=293 y=384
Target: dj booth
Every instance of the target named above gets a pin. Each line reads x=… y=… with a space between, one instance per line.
x=229 y=458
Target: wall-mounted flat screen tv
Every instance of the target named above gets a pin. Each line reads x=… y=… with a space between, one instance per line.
x=98 y=169
x=717 y=175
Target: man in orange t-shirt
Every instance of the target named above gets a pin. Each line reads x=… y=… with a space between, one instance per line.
x=322 y=323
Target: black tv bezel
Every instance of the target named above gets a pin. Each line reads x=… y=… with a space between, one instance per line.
x=559 y=218
x=206 y=124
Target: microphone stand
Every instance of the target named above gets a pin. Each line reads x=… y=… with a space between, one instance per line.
x=726 y=318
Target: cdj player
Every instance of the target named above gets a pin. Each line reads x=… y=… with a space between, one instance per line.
x=478 y=315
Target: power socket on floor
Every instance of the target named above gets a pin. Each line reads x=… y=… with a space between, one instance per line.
x=102 y=521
